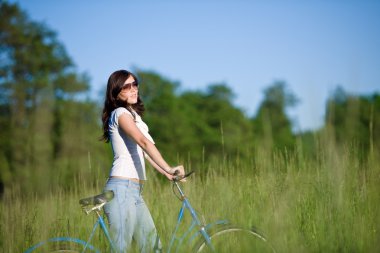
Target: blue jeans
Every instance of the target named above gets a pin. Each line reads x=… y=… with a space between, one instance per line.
x=129 y=217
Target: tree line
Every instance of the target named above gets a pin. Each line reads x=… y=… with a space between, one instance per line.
x=50 y=125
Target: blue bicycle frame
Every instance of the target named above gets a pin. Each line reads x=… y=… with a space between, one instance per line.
x=196 y=223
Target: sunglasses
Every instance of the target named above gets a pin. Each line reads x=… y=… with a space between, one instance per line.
x=128 y=86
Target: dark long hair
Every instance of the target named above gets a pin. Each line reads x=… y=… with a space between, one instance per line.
x=114 y=86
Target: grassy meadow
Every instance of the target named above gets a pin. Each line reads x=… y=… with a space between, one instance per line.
x=327 y=204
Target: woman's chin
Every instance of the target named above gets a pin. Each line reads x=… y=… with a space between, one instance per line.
x=132 y=101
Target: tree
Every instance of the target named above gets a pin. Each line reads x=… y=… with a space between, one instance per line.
x=272 y=127
x=38 y=81
x=31 y=58
x=193 y=126
x=354 y=119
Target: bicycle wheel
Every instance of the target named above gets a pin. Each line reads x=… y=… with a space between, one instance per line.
x=235 y=239
x=61 y=246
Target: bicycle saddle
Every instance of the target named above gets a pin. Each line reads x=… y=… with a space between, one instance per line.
x=98 y=199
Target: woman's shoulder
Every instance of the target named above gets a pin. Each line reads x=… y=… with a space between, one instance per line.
x=120 y=110
x=115 y=114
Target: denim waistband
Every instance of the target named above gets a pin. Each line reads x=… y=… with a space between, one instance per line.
x=122 y=181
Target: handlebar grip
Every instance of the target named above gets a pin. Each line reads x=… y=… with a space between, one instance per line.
x=188 y=174
x=178 y=178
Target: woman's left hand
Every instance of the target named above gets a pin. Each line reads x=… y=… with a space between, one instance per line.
x=178 y=171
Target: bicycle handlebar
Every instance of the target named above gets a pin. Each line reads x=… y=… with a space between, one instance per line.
x=179 y=178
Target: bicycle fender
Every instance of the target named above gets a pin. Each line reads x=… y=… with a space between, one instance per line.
x=209 y=228
x=62 y=239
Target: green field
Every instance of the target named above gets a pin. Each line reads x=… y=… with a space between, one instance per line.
x=306 y=190
x=328 y=204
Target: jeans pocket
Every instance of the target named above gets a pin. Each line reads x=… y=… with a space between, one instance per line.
x=113 y=206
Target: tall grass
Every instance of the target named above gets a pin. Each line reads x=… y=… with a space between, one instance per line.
x=327 y=204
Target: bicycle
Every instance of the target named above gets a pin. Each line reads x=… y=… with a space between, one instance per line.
x=219 y=236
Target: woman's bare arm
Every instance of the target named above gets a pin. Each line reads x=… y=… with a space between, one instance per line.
x=128 y=125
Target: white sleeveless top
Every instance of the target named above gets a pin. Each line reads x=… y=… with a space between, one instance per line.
x=128 y=156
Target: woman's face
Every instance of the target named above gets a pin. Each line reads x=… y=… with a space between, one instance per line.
x=129 y=92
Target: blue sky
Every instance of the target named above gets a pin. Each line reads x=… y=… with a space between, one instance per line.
x=311 y=45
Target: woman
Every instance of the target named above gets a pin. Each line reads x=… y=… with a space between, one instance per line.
x=123 y=127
